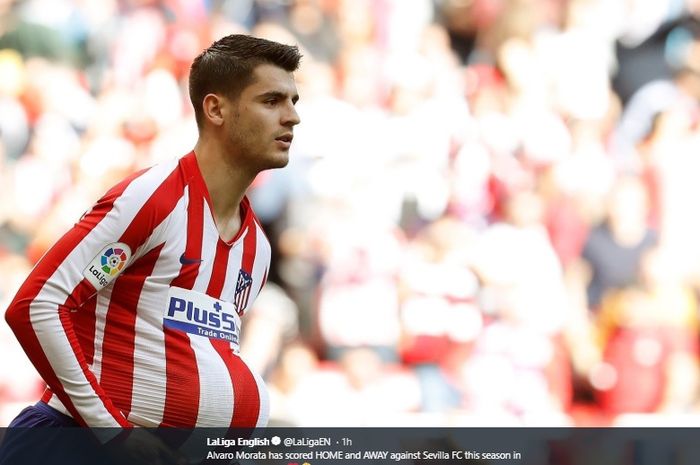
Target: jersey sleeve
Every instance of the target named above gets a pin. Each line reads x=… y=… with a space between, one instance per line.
x=87 y=259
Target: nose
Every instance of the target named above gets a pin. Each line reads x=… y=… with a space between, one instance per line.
x=291 y=117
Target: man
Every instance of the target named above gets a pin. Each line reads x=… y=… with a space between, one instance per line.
x=133 y=317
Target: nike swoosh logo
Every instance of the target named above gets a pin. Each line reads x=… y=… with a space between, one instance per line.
x=189 y=261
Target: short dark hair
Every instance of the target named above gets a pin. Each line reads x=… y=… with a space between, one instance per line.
x=226 y=66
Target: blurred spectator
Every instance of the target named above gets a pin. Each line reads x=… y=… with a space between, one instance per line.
x=654 y=41
x=41 y=28
x=297 y=363
x=652 y=99
x=310 y=22
x=439 y=310
x=614 y=249
x=360 y=390
x=358 y=300
x=670 y=167
x=649 y=343
x=273 y=324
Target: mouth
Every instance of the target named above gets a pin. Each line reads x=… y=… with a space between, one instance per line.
x=285 y=140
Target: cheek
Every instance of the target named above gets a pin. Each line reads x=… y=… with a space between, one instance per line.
x=249 y=129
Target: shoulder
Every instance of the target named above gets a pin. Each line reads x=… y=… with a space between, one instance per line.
x=134 y=206
x=146 y=183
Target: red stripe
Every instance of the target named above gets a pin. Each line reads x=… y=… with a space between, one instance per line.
x=182 y=384
x=267 y=239
x=249 y=249
x=182 y=374
x=117 y=376
x=257 y=221
x=17 y=314
x=246 y=398
x=246 y=213
x=158 y=206
x=218 y=274
x=84 y=326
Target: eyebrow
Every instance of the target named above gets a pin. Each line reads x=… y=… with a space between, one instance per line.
x=279 y=95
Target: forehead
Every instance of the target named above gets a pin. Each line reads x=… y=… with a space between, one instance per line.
x=271 y=78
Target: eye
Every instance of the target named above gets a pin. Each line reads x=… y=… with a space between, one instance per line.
x=271 y=102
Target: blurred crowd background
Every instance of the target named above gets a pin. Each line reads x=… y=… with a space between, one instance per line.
x=486 y=220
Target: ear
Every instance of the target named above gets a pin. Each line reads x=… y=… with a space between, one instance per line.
x=213 y=109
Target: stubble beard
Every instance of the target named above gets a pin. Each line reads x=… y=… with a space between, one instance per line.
x=255 y=156
x=262 y=159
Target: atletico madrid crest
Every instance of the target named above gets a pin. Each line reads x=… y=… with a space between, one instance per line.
x=243 y=285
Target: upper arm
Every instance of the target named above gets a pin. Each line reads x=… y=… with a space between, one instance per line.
x=102 y=244
x=90 y=256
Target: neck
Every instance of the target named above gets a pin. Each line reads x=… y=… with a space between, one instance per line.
x=225 y=182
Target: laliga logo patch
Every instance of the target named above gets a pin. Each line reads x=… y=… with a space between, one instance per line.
x=107 y=264
x=200 y=314
x=113 y=260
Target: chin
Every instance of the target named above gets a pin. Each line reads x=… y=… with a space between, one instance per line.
x=278 y=161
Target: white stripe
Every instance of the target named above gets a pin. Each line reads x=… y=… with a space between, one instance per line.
x=215 y=389
x=264 y=413
x=260 y=265
x=56 y=403
x=101 y=307
x=210 y=238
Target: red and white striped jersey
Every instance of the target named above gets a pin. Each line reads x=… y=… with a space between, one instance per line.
x=133 y=317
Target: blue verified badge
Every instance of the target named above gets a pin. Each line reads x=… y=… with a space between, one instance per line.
x=200 y=314
x=107 y=264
